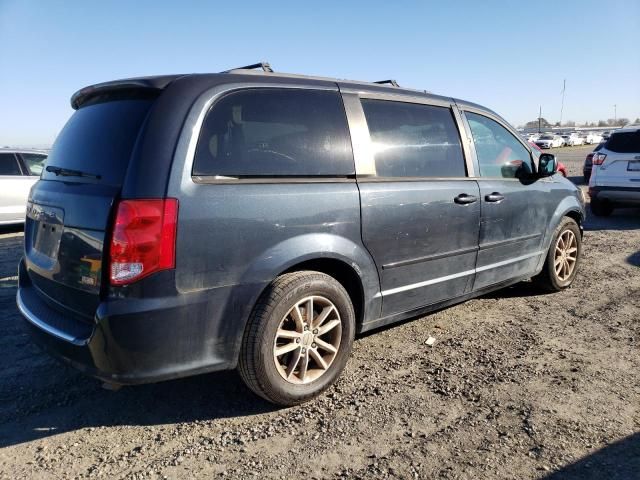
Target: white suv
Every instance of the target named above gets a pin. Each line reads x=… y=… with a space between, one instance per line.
x=615 y=178
x=19 y=170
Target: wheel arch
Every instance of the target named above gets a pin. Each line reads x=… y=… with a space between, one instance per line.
x=346 y=260
x=570 y=207
x=344 y=273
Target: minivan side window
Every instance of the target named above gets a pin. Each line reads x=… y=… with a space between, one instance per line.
x=275 y=133
x=499 y=153
x=9 y=164
x=413 y=140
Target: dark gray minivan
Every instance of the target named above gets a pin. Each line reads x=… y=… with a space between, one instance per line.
x=191 y=223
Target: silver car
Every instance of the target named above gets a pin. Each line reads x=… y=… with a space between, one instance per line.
x=19 y=170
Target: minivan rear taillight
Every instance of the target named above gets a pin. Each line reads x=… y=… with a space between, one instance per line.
x=143 y=239
x=598 y=158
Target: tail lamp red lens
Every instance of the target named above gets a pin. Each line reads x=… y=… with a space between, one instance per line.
x=599 y=158
x=143 y=239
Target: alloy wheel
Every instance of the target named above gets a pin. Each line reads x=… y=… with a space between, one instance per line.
x=307 y=340
x=566 y=255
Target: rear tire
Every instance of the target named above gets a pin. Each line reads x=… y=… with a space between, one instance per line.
x=563 y=258
x=601 y=208
x=289 y=356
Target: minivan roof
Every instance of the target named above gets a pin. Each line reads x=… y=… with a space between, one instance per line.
x=160 y=82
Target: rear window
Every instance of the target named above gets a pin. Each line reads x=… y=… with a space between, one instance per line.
x=98 y=139
x=275 y=132
x=624 y=142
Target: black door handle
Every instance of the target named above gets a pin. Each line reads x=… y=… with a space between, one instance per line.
x=494 y=197
x=465 y=199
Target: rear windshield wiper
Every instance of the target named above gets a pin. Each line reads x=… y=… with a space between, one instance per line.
x=67 y=172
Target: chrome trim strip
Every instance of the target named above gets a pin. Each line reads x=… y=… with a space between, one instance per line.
x=399 y=96
x=360 y=138
x=27 y=314
x=467 y=141
x=213 y=180
x=433 y=281
x=511 y=260
x=508 y=241
x=427 y=258
x=413 y=286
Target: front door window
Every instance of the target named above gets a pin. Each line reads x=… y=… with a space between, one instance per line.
x=500 y=154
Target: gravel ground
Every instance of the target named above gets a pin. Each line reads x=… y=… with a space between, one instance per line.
x=518 y=385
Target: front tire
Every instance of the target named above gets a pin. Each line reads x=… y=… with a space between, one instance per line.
x=561 y=265
x=298 y=338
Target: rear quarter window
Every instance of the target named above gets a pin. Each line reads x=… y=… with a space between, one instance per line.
x=624 y=142
x=274 y=133
x=98 y=139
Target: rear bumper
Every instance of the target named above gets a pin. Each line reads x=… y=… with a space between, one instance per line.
x=134 y=341
x=618 y=196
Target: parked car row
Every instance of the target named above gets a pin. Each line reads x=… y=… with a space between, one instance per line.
x=552 y=140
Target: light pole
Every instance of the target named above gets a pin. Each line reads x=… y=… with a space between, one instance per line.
x=615 y=113
x=539 y=118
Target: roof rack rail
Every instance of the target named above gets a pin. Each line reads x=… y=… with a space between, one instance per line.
x=390 y=82
x=263 y=65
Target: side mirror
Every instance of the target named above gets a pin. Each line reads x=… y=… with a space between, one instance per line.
x=547 y=165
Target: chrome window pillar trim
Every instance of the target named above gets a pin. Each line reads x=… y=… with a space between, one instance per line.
x=360 y=137
x=468 y=147
x=398 y=97
x=188 y=140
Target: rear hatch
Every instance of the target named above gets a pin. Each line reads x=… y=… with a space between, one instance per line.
x=621 y=166
x=69 y=209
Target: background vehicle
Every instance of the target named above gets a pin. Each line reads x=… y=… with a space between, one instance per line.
x=573 y=139
x=615 y=177
x=592 y=138
x=266 y=238
x=588 y=165
x=549 y=140
x=532 y=137
x=19 y=170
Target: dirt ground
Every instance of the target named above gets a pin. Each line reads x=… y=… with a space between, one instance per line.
x=518 y=385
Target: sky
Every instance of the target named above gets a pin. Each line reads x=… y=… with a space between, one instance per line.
x=510 y=56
